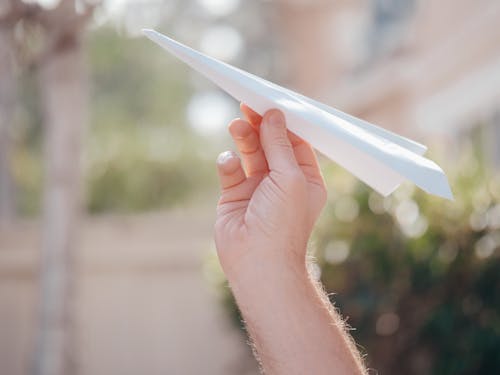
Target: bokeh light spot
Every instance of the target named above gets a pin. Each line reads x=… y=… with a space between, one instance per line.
x=210 y=112
x=387 y=324
x=346 y=209
x=222 y=42
x=407 y=213
x=376 y=203
x=494 y=217
x=219 y=8
x=336 y=252
x=486 y=245
x=478 y=221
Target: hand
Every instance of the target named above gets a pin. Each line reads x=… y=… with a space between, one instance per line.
x=264 y=219
x=266 y=211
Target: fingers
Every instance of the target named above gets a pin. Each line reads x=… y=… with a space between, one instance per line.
x=304 y=153
x=230 y=171
x=236 y=187
x=253 y=117
x=248 y=143
x=255 y=121
x=307 y=161
x=276 y=144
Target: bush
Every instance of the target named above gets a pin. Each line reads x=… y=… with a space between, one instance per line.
x=416 y=277
x=145 y=168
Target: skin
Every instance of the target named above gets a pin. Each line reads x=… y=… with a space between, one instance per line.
x=270 y=201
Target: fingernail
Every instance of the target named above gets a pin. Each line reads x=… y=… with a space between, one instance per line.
x=225 y=156
x=276 y=119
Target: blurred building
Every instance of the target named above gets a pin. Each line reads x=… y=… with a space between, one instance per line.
x=419 y=67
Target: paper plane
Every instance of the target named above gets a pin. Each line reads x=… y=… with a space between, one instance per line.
x=379 y=158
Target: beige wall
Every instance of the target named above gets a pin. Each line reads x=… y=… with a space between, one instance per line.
x=444 y=43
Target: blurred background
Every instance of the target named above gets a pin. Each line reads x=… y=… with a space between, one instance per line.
x=108 y=186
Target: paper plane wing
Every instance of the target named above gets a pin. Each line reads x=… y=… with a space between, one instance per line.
x=379 y=158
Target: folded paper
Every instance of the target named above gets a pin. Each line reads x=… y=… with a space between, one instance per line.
x=380 y=158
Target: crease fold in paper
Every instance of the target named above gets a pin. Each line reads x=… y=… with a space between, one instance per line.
x=379 y=158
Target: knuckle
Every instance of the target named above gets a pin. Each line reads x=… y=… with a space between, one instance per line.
x=249 y=148
x=282 y=142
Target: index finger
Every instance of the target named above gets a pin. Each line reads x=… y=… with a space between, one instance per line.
x=306 y=158
x=253 y=117
x=255 y=120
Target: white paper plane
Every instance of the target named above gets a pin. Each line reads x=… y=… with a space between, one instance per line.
x=379 y=158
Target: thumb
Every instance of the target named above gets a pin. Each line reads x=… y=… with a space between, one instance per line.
x=231 y=172
x=236 y=187
x=275 y=142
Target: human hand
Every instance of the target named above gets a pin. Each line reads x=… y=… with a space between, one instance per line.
x=264 y=219
x=267 y=210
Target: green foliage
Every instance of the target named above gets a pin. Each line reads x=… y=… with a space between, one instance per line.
x=139 y=153
x=144 y=168
x=133 y=82
x=421 y=280
x=417 y=277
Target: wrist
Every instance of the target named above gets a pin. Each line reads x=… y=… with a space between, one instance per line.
x=267 y=273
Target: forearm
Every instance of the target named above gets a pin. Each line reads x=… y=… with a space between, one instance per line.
x=274 y=203
x=292 y=325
